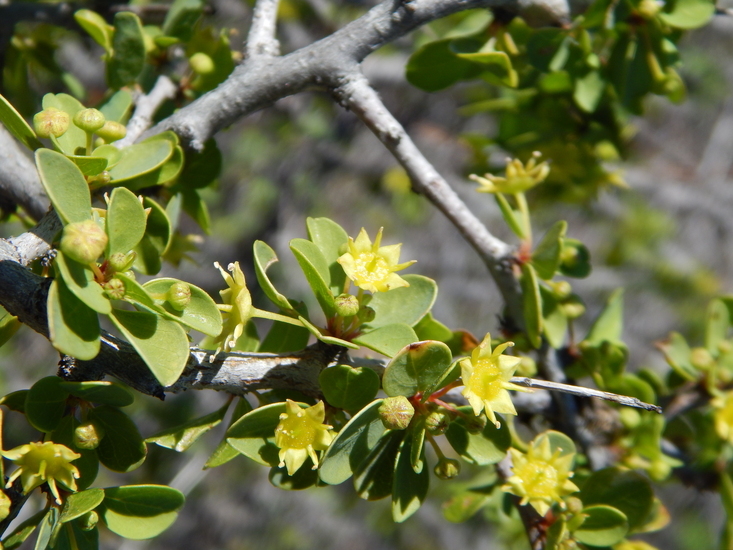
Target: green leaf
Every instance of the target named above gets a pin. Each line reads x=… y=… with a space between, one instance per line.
x=78 y=504
x=65 y=185
x=352 y=444
x=225 y=452
x=513 y=219
x=45 y=403
x=317 y=273
x=406 y=305
x=74 y=140
x=626 y=490
x=609 y=324
x=410 y=488
x=429 y=328
x=464 y=506
x=546 y=257
x=482 y=446
x=110 y=152
x=96 y=26
x=434 y=67
x=374 y=476
x=181 y=19
x=303 y=478
x=46 y=528
x=201 y=168
x=161 y=343
x=330 y=237
x=201 y=312
x=543 y=45
x=140 y=511
x=417 y=368
x=79 y=279
x=89 y=166
x=602 y=526
x=264 y=257
x=496 y=66
x=687 y=14
x=73 y=326
x=23 y=531
x=88 y=463
x=15 y=401
x=554 y=321
x=195 y=206
x=180 y=438
x=387 y=340
x=589 y=90
x=155 y=242
x=139 y=164
x=284 y=337
x=348 y=388
x=117 y=107
x=9 y=325
x=531 y=305
x=126 y=221
x=122 y=449
x=575 y=259
x=417 y=437
x=101 y=392
x=128 y=51
x=717 y=323
x=16 y=125
x=72 y=536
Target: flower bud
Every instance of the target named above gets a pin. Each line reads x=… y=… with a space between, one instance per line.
x=526 y=367
x=179 y=296
x=346 y=305
x=100 y=180
x=119 y=261
x=89 y=120
x=396 y=412
x=201 y=63
x=447 y=468
x=437 y=422
x=366 y=314
x=88 y=521
x=112 y=131
x=114 y=289
x=51 y=122
x=87 y=435
x=476 y=424
x=561 y=289
x=701 y=359
x=648 y=9
x=83 y=241
x=573 y=308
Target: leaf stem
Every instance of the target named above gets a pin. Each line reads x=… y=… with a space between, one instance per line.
x=263 y=314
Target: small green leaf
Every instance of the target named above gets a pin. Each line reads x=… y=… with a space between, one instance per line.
x=155 y=242
x=542 y=47
x=717 y=323
x=417 y=455
x=429 y=328
x=608 y=326
x=417 y=368
x=46 y=528
x=513 y=219
x=410 y=488
x=15 y=401
x=180 y=438
x=161 y=343
x=478 y=446
x=589 y=90
x=117 y=107
x=602 y=526
x=575 y=259
x=80 y=281
x=17 y=125
x=73 y=326
x=72 y=536
x=74 y=140
x=140 y=511
x=23 y=531
x=110 y=152
x=374 y=476
x=201 y=168
x=405 y=305
x=96 y=26
x=496 y=66
x=9 y=325
x=317 y=273
x=101 y=392
x=626 y=490
x=89 y=166
x=434 y=67
x=464 y=506
x=546 y=257
x=78 y=504
x=352 y=444
x=532 y=305
x=201 y=312
x=126 y=221
x=88 y=463
x=128 y=51
x=181 y=19
x=330 y=237
x=45 y=403
x=139 y=163
x=122 y=449
x=195 y=206
x=264 y=257
x=687 y=14
x=65 y=185
x=348 y=388
x=387 y=340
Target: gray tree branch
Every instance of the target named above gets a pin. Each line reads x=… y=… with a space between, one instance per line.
x=145 y=108
x=261 y=40
x=19 y=183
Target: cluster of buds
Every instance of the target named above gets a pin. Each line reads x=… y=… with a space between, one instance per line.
x=52 y=122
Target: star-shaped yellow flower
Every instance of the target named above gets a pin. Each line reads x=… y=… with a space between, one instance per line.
x=40 y=463
x=486 y=375
x=237 y=307
x=300 y=433
x=542 y=476
x=723 y=416
x=519 y=177
x=372 y=267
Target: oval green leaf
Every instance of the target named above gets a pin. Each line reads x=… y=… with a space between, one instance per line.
x=329 y=237
x=78 y=504
x=602 y=526
x=374 y=476
x=410 y=488
x=126 y=221
x=72 y=325
x=546 y=257
x=531 y=305
x=128 y=51
x=317 y=273
x=626 y=490
x=89 y=166
x=387 y=340
x=417 y=368
x=65 y=185
x=264 y=257
x=482 y=446
x=348 y=388
x=122 y=449
x=102 y=392
x=201 y=312
x=16 y=125
x=45 y=403
x=180 y=438
x=80 y=281
x=155 y=242
x=405 y=305
x=96 y=26
x=141 y=511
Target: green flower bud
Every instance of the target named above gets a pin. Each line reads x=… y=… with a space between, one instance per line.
x=476 y=424
x=51 y=122
x=346 y=305
x=648 y=9
x=447 y=468
x=179 y=296
x=89 y=521
x=366 y=314
x=630 y=418
x=573 y=307
x=201 y=63
x=100 y=180
x=83 y=241
x=396 y=412
x=89 y=120
x=561 y=289
x=526 y=367
x=87 y=435
x=114 y=289
x=112 y=131
x=701 y=359
x=120 y=261
x=437 y=422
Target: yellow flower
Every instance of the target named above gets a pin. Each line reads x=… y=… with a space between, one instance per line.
x=300 y=433
x=519 y=177
x=486 y=376
x=237 y=306
x=723 y=416
x=40 y=463
x=542 y=476
x=372 y=267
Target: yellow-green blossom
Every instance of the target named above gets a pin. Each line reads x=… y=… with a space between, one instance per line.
x=372 y=267
x=723 y=416
x=486 y=375
x=40 y=463
x=237 y=307
x=519 y=177
x=542 y=475
x=300 y=433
